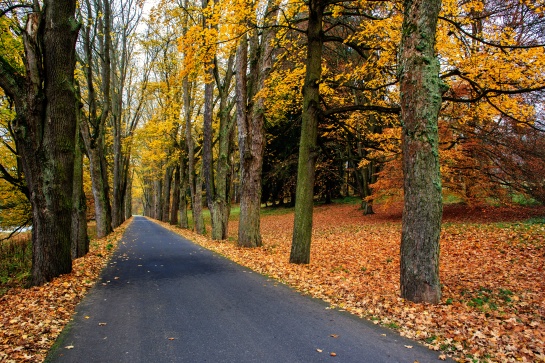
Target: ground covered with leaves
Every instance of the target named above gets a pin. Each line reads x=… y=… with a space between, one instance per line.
x=492 y=262
x=31 y=319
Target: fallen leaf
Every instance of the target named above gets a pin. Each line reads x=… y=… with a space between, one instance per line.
x=333 y=354
x=101 y=324
x=443 y=357
x=319 y=350
x=334 y=335
x=409 y=346
x=69 y=347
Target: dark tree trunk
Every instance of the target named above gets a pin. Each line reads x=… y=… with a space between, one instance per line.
x=93 y=130
x=175 y=197
x=308 y=148
x=198 y=220
x=158 y=199
x=184 y=223
x=167 y=183
x=45 y=131
x=80 y=240
x=420 y=105
x=250 y=121
x=194 y=180
x=128 y=197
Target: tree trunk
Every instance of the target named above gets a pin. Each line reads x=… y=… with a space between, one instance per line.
x=198 y=220
x=184 y=223
x=167 y=183
x=128 y=197
x=308 y=148
x=99 y=182
x=250 y=121
x=249 y=233
x=93 y=130
x=80 y=240
x=195 y=188
x=45 y=131
x=208 y=168
x=175 y=197
x=420 y=104
x=158 y=199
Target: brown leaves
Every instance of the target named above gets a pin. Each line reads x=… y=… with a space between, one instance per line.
x=31 y=319
x=493 y=296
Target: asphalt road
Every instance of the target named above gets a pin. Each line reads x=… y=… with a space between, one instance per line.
x=164 y=299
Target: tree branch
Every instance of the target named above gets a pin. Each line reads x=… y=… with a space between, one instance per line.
x=10 y=80
x=381 y=109
x=484 y=41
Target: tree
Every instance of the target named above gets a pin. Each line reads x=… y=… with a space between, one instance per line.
x=93 y=130
x=45 y=130
x=127 y=100
x=250 y=122
x=420 y=88
x=308 y=149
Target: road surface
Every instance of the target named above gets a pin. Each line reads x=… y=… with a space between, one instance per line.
x=164 y=299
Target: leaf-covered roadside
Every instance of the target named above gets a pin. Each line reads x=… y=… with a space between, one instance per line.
x=493 y=305
x=31 y=319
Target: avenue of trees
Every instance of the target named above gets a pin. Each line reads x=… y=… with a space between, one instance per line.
x=202 y=104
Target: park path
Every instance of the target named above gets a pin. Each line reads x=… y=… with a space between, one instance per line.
x=164 y=299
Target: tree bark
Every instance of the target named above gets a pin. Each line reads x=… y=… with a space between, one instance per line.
x=198 y=220
x=175 y=196
x=167 y=183
x=158 y=199
x=420 y=104
x=93 y=130
x=308 y=148
x=128 y=197
x=195 y=188
x=45 y=131
x=80 y=240
x=250 y=121
x=184 y=223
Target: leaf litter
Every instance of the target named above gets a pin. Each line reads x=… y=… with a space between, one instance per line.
x=31 y=319
x=493 y=303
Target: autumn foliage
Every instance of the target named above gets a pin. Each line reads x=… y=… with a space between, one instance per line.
x=31 y=319
x=493 y=304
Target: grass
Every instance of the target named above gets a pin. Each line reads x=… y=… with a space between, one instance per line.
x=16 y=258
x=15 y=261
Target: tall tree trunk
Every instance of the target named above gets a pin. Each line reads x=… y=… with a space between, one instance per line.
x=208 y=168
x=117 y=192
x=198 y=220
x=184 y=223
x=128 y=197
x=175 y=207
x=420 y=104
x=308 y=148
x=250 y=121
x=80 y=240
x=158 y=199
x=167 y=183
x=93 y=131
x=45 y=131
x=196 y=198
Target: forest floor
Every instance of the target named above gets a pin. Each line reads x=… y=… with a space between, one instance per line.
x=492 y=264
x=491 y=269
x=32 y=318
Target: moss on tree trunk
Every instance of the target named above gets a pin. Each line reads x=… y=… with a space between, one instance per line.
x=420 y=105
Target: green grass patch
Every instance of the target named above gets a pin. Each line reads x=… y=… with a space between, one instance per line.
x=15 y=261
